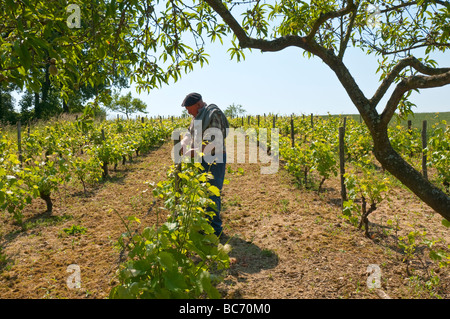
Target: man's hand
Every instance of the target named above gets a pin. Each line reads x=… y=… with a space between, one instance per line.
x=191 y=152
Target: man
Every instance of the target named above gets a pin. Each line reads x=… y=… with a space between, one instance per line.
x=208 y=121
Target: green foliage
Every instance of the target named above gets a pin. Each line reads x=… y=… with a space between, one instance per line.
x=126 y=104
x=74 y=230
x=63 y=151
x=439 y=153
x=181 y=257
x=114 y=38
x=314 y=152
x=87 y=168
x=415 y=239
x=446 y=223
x=234 y=110
x=13 y=196
x=323 y=159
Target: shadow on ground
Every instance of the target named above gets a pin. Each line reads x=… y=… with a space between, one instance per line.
x=248 y=257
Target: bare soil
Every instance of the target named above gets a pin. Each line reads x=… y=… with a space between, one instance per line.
x=287 y=242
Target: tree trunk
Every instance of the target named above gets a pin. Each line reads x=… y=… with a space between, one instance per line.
x=411 y=178
x=48 y=202
x=37 y=106
x=105 y=173
x=65 y=107
x=386 y=155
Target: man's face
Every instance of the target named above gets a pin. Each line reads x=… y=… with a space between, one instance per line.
x=193 y=109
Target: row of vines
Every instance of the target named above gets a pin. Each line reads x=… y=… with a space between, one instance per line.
x=46 y=156
x=310 y=151
x=315 y=149
x=182 y=258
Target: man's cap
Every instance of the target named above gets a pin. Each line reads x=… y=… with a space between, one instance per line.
x=191 y=99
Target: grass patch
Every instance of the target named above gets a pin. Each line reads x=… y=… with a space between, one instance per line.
x=75 y=230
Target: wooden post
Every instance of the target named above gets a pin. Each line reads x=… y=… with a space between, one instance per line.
x=342 y=164
x=312 y=121
x=292 y=132
x=19 y=140
x=274 y=120
x=258 y=120
x=105 y=164
x=424 y=145
x=177 y=178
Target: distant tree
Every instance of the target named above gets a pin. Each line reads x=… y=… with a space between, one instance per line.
x=126 y=104
x=7 y=113
x=234 y=110
x=184 y=113
x=26 y=106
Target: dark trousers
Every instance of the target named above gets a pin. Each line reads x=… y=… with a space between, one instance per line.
x=218 y=171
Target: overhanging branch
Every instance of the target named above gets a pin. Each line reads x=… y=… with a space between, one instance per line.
x=330 y=15
x=440 y=78
x=343 y=45
x=397 y=69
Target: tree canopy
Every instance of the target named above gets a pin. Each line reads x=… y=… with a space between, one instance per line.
x=234 y=110
x=153 y=42
x=126 y=104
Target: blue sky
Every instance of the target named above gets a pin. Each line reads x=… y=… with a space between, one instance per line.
x=282 y=82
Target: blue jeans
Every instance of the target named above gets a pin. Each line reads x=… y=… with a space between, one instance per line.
x=218 y=171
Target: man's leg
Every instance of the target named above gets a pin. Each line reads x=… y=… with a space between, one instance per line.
x=218 y=171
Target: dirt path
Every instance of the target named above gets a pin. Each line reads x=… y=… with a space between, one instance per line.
x=287 y=242
x=39 y=257
x=292 y=243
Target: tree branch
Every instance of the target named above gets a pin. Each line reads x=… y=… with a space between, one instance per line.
x=402 y=64
x=413 y=82
x=309 y=45
x=330 y=15
x=394 y=8
x=417 y=45
x=344 y=43
x=245 y=41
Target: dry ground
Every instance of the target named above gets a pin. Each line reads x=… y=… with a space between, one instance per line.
x=287 y=242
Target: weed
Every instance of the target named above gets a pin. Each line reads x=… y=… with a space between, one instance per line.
x=284 y=205
x=74 y=230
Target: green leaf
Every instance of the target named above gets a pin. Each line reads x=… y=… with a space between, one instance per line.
x=446 y=223
x=166 y=260
x=213 y=189
x=134 y=218
x=174 y=280
x=204 y=281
